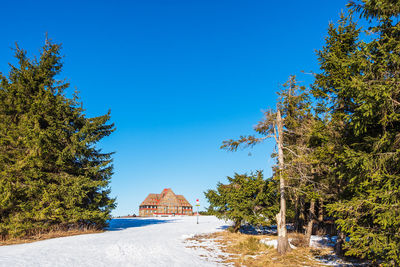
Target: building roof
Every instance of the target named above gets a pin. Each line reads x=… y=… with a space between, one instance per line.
x=155 y=199
x=182 y=199
x=151 y=199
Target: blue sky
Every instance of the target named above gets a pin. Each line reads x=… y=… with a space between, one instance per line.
x=179 y=76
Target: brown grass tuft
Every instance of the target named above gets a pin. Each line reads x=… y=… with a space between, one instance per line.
x=298 y=240
x=246 y=250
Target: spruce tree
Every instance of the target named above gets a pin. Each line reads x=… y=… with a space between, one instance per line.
x=51 y=173
x=359 y=83
x=246 y=198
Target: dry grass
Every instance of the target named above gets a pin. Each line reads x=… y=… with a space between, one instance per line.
x=48 y=235
x=246 y=250
x=298 y=240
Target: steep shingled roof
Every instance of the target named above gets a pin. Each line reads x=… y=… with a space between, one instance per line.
x=183 y=200
x=151 y=199
x=154 y=199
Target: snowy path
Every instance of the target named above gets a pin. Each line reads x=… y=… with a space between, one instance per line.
x=130 y=242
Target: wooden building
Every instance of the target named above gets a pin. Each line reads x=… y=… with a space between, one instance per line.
x=165 y=204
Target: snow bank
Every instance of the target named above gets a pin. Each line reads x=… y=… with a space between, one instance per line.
x=128 y=242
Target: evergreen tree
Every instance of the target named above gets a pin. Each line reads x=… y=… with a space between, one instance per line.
x=246 y=198
x=361 y=81
x=51 y=173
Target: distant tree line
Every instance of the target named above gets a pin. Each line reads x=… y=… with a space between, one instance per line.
x=52 y=176
x=338 y=144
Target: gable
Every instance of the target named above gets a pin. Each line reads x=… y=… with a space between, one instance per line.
x=168 y=198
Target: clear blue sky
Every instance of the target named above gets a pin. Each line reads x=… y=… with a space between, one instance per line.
x=179 y=77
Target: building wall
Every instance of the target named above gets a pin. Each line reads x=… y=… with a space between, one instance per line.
x=168 y=204
x=147 y=210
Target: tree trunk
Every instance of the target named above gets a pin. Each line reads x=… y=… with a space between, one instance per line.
x=321 y=211
x=310 y=221
x=283 y=242
x=339 y=244
x=321 y=225
x=236 y=226
x=302 y=217
x=297 y=213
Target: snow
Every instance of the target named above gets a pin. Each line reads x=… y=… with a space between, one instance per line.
x=322 y=241
x=210 y=249
x=258 y=230
x=328 y=242
x=128 y=242
x=270 y=242
x=274 y=242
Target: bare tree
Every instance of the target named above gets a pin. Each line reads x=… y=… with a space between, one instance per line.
x=283 y=242
x=286 y=125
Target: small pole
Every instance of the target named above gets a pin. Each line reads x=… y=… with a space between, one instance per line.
x=197 y=205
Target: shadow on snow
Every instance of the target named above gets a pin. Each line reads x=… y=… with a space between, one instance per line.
x=121 y=224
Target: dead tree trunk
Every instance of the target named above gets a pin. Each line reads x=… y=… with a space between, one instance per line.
x=310 y=221
x=283 y=242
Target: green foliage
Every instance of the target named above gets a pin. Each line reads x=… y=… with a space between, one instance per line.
x=204 y=212
x=51 y=173
x=344 y=149
x=245 y=198
x=359 y=87
x=376 y=9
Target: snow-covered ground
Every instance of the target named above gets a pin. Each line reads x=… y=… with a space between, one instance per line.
x=129 y=242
